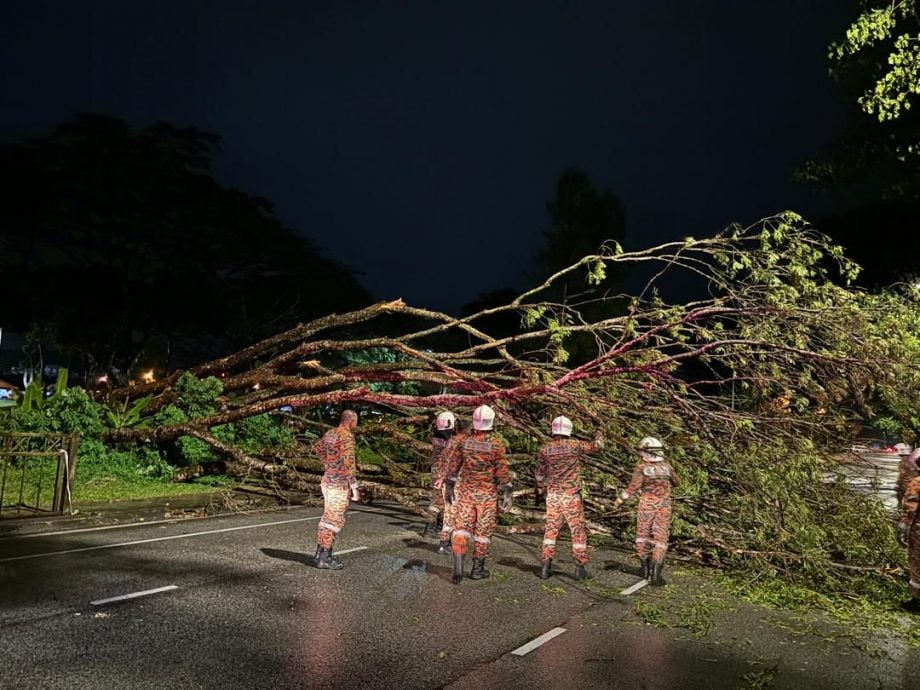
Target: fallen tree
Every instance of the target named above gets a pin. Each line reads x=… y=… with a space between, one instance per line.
x=752 y=384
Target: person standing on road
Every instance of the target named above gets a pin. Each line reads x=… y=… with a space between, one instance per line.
x=909 y=536
x=444 y=430
x=558 y=475
x=653 y=478
x=336 y=449
x=477 y=467
x=450 y=509
x=906 y=468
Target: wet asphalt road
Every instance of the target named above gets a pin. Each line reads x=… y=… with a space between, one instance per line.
x=248 y=611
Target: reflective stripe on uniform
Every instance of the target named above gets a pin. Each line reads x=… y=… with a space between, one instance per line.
x=645 y=540
x=549 y=542
x=461 y=533
x=332 y=528
x=482 y=540
x=579 y=547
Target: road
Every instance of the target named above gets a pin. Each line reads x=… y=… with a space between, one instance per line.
x=232 y=602
x=873 y=473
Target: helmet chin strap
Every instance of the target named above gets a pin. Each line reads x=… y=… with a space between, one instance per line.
x=651 y=457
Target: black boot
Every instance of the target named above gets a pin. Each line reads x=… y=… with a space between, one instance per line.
x=657 y=567
x=458 y=568
x=646 y=568
x=479 y=571
x=444 y=547
x=431 y=528
x=326 y=561
x=911 y=605
x=546 y=571
x=581 y=572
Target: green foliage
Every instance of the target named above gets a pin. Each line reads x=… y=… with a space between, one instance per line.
x=900 y=79
x=197 y=397
x=256 y=434
x=128 y=414
x=133 y=471
x=380 y=355
x=72 y=410
x=779 y=499
x=33 y=398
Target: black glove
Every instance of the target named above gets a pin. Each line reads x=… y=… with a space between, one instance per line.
x=538 y=495
x=449 y=492
x=903 y=533
x=505 y=504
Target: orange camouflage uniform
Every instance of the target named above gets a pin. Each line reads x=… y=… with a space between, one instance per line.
x=559 y=471
x=436 y=503
x=438 y=479
x=653 y=480
x=909 y=517
x=336 y=449
x=478 y=465
x=906 y=472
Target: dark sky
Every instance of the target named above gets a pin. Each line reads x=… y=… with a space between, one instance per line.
x=419 y=142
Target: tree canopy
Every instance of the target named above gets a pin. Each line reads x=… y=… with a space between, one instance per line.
x=873 y=167
x=122 y=243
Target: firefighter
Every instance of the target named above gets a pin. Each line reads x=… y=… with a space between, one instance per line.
x=336 y=449
x=450 y=509
x=653 y=478
x=558 y=475
x=906 y=466
x=909 y=535
x=477 y=467
x=444 y=430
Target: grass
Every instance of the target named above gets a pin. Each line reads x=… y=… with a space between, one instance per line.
x=34 y=477
x=99 y=489
x=552 y=589
x=95 y=484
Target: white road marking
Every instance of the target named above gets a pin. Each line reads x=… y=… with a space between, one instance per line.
x=533 y=644
x=133 y=595
x=169 y=521
x=357 y=548
x=39 y=535
x=634 y=588
x=149 y=541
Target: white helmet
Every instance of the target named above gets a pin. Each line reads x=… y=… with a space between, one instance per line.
x=902 y=449
x=445 y=421
x=562 y=426
x=483 y=416
x=651 y=445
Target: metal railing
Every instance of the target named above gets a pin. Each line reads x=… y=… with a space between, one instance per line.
x=36 y=473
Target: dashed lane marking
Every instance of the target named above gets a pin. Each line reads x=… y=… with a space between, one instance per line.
x=132 y=595
x=357 y=548
x=533 y=644
x=149 y=541
x=634 y=588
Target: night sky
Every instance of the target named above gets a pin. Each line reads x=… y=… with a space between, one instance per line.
x=418 y=142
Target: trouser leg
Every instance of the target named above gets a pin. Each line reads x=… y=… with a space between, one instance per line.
x=575 y=516
x=554 y=521
x=335 y=505
x=486 y=517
